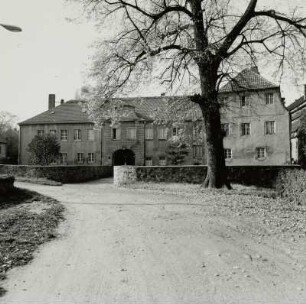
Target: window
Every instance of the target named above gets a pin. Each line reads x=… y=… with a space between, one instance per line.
x=162 y=133
x=91 y=135
x=149 y=132
x=197 y=151
x=116 y=133
x=243 y=101
x=162 y=161
x=80 y=158
x=269 y=98
x=269 y=127
x=91 y=157
x=149 y=161
x=52 y=132
x=63 y=158
x=260 y=153
x=245 y=129
x=77 y=134
x=64 y=134
x=131 y=133
x=175 y=131
x=40 y=132
x=226 y=129
x=228 y=153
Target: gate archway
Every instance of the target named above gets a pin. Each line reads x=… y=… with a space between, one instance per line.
x=123 y=157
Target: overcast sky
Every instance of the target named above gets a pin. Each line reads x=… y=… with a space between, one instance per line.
x=50 y=55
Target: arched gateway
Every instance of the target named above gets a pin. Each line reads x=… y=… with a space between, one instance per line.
x=123 y=157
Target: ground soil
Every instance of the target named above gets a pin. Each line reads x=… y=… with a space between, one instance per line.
x=157 y=246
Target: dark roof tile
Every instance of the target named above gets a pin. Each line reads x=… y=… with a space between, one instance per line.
x=296 y=103
x=248 y=79
x=69 y=112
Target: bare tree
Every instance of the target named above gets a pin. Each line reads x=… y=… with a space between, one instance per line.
x=202 y=39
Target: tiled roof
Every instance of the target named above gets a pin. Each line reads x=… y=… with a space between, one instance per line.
x=72 y=111
x=145 y=107
x=296 y=103
x=68 y=112
x=248 y=79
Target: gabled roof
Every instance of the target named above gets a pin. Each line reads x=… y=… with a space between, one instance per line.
x=248 y=79
x=72 y=111
x=68 y=112
x=296 y=103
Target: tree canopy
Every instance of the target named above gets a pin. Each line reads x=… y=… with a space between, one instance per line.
x=178 y=35
x=191 y=41
x=8 y=130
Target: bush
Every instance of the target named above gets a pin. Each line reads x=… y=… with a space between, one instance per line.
x=291 y=184
x=44 y=150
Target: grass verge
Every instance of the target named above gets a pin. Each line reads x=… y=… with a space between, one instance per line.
x=27 y=219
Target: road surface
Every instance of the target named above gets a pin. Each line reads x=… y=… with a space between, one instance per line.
x=136 y=246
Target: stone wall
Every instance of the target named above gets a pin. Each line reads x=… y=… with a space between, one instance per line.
x=63 y=174
x=262 y=176
x=6 y=184
x=124 y=175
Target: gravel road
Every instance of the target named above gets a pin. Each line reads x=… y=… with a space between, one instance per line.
x=137 y=246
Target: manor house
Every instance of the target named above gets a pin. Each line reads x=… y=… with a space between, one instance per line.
x=254 y=120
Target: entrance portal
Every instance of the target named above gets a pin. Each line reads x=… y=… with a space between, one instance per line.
x=123 y=157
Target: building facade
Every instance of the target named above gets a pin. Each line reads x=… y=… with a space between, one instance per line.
x=296 y=109
x=3 y=149
x=254 y=120
x=80 y=141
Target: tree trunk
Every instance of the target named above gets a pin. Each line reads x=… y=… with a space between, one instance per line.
x=216 y=170
x=210 y=107
x=208 y=65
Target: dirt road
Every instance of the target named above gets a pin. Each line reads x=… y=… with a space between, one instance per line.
x=130 y=246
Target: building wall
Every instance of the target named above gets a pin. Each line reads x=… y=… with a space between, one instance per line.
x=3 y=150
x=243 y=147
x=294 y=149
x=257 y=112
x=110 y=145
x=143 y=148
x=295 y=117
x=71 y=146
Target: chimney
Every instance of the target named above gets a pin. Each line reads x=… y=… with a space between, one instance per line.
x=51 y=101
x=62 y=101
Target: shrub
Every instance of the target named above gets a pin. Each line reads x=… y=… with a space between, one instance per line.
x=291 y=184
x=177 y=152
x=44 y=150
